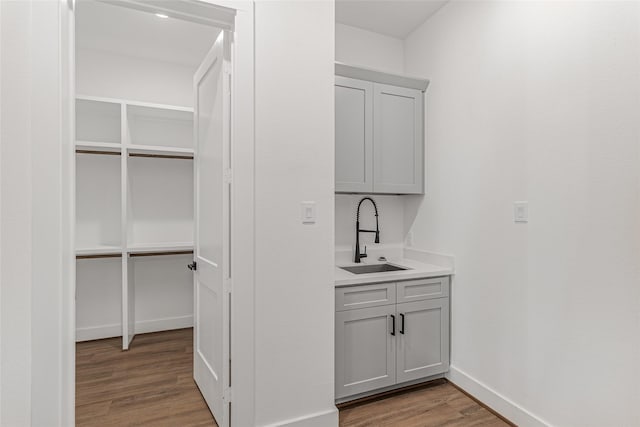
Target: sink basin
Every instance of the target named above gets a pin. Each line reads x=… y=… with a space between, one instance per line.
x=373 y=268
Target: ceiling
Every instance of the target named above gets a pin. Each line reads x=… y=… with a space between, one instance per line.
x=131 y=32
x=395 y=18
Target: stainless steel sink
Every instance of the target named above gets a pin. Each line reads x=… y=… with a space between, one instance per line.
x=373 y=268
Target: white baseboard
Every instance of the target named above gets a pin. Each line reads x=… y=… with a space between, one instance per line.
x=98 y=332
x=142 y=327
x=157 y=325
x=494 y=400
x=321 y=419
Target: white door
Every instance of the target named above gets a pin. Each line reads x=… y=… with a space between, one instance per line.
x=211 y=251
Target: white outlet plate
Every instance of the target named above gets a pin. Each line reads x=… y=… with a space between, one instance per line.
x=521 y=211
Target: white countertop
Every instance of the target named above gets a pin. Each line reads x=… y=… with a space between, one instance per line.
x=416 y=270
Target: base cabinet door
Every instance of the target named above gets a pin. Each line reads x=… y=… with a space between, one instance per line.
x=423 y=339
x=365 y=350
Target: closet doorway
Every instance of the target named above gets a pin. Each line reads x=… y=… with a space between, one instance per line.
x=154 y=190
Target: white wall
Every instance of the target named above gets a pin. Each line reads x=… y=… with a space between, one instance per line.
x=15 y=175
x=537 y=101
x=100 y=73
x=34 y=269
x=390 y=220
x=294 y=300
x=355 y=46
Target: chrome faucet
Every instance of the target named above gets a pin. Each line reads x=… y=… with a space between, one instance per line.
x=358 y=255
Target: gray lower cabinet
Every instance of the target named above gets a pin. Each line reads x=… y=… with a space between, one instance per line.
x=390 y=343
x=365 y=350
x=423 y=339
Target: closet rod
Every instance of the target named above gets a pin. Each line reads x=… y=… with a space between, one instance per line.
x=161 y=253
x=162 y=156
x=98 y=256
x=107 y=153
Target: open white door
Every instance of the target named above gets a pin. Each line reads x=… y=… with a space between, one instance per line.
x=212 y=237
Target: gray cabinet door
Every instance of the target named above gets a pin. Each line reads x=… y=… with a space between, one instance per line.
x=365 y=350
x=423 y=339
x=354 y=140
x=398 y=140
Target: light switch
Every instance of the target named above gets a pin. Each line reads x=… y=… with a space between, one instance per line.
x=521 y=211
x=308 y=212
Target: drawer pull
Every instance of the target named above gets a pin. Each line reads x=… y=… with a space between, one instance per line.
x=393 y=325
x=402 y=323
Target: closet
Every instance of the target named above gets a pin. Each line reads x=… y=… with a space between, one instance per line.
x=134 y=170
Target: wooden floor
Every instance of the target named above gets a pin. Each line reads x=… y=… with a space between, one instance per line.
x=152 y=385
x=438 y=405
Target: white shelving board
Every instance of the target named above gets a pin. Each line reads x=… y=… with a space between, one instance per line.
x=134 y=197
x=160 y=248
x=135 y=249
x=98 y=250
x=160 y=150
x=99 y=146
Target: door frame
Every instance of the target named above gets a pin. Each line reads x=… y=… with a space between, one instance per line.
x=239 y=16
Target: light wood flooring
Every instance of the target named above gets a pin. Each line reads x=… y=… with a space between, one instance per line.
x=152 y=385
x=434 y=405
x=149 y=385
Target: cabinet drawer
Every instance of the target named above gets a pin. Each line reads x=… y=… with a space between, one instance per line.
x=354 y=297
x=417 y=290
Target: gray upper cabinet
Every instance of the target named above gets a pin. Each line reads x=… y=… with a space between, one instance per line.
x=354 y=135
x=397 y=140
x=379 y=132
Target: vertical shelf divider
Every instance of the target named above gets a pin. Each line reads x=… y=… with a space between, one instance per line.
x=128 y=294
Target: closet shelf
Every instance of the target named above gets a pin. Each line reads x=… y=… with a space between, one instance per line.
x=139 y=150
x=103 y=251
x=159 y=248
x=98 y=147
x=135 y=250
x=134 y=103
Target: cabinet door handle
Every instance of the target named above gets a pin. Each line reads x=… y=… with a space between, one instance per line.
x=402 y=323
x=393 y=325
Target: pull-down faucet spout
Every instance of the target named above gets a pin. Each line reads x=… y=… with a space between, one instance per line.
x=358 y=255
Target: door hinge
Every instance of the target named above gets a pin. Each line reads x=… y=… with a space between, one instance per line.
x=193 y=266
x=227 y=285
x=226 y=395
x=227 y=175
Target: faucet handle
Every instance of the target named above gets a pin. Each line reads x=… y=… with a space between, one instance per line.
x=364 y=254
